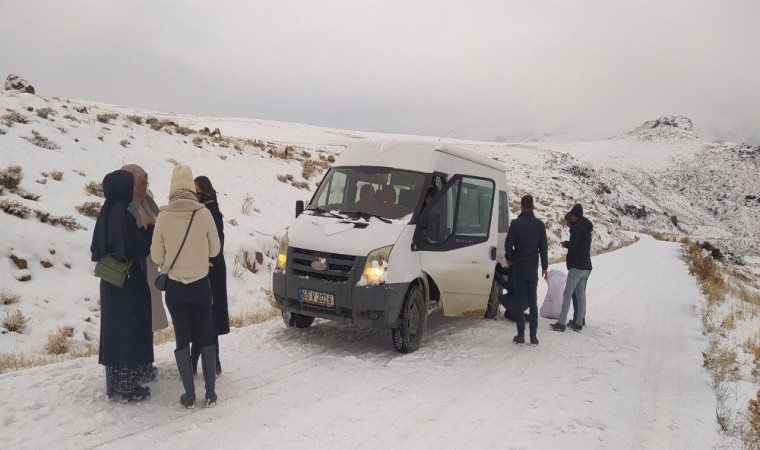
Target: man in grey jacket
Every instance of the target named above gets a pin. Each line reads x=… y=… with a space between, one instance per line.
x=526 y=242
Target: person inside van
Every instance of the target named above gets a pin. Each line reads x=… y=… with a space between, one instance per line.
x=366 y=193
x=386 y=195
x=432 y=190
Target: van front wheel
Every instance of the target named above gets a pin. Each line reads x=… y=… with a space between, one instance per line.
x=296 y=320
x=492 y=310
x=407 y=335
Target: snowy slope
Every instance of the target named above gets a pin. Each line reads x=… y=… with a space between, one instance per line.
x=665 y=173
x=630 y=380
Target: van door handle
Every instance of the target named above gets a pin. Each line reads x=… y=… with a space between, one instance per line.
x=493 y=253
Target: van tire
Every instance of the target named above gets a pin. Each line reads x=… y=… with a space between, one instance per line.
x=492 y=310
x=296 y=320
x=407 y=335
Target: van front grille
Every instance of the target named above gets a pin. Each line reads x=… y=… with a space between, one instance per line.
x=336 y=271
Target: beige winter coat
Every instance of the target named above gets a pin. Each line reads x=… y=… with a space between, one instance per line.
x=202 y=241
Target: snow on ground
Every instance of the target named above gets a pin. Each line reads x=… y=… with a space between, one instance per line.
x=631 y=379
x=637 y=182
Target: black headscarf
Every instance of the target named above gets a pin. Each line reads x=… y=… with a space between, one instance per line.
x=110 y=235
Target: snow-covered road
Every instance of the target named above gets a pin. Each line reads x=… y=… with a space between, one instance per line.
x=631 y=379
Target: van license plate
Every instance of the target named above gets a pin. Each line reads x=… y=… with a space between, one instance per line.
x=316 y=298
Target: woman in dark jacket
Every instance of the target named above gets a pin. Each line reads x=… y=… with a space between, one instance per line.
x=126 y=342
x=217 y=275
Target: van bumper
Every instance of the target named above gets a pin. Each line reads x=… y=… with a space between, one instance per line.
x=371 y=306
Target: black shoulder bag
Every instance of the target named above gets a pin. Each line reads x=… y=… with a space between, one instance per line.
x=162 y=278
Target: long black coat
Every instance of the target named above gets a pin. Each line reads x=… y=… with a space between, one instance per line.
x=579 y=246
x=217 y=276
x=126 y=337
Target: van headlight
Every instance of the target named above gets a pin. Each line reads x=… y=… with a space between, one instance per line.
x=282 y=253
x=376 y=267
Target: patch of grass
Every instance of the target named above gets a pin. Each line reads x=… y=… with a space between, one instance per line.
x=95 y=188
x=163 y=335
x=309 y=168
x=57 y=175
x=198 y=141
x=45 y=113
x=59 y=341
x=80 y=173
x=26 y=195
x=184 y=131
x=106 y=117
x=124 y=143
x=71 y=118
x=12 y=361
x=15 y=321
x=137 y=120
x=89 y=209
x=245 y=318
x=729 y=322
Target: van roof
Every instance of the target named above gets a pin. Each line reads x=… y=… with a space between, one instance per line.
x=410 y=154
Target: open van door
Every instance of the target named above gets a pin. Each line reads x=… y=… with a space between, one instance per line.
x=455 y=238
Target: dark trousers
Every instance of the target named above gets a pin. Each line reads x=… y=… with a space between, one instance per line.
x=526 y=283
x=190 y=308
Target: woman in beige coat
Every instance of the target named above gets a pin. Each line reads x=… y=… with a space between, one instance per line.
x=188 y=293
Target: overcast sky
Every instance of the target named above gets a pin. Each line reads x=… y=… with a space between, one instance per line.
x=578 y=69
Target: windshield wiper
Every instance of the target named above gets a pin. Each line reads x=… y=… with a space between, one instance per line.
x=321 y=211
x=366 y=216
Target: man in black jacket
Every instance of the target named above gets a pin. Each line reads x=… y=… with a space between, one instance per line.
x=526 y=241
x=578 y=269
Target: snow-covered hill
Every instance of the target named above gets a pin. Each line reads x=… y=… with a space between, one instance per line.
x=661 y=177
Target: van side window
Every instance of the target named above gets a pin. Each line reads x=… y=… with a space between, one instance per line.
x=503 y=212
x=461 y=217
x=473 y=217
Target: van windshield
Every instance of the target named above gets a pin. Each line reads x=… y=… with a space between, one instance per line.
x=381 y=192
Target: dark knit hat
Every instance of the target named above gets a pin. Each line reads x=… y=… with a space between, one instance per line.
x=577 y=210
x=526 y=202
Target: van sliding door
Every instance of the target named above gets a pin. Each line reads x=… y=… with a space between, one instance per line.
x=454 y=237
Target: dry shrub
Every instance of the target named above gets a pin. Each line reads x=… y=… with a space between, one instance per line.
x=10 y=177
x=172 y=161
x=233 y=222
x=754 y=419
x=95 y=188
x=15 y=321
x=184 y=131
x=9 y=298
x=729 y=322
x=660 y=236
x=722 y=364
x=306 y=154
x=72 y=118
x=14 y=208
x=309 y=168
x=57 y=175
x=41 y=141
x=59 y=341
x=26 y=195
x=12 y=117
x=707 y=271
x=44 y=113
x=198 y=141
x=301 y=185
x=247 y=205
x=106 y=117
x=67 y=222
x=89 y=209
x=283 y=178
x=124 y=143
x=137 y=120
x=80 y=173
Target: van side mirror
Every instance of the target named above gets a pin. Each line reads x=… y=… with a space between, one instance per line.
x=299 y=207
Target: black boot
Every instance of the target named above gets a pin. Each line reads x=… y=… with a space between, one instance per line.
x=195 y=353
x=186 y=375
x=208 y=359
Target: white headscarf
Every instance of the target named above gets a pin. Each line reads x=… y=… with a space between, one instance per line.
x=141 y=209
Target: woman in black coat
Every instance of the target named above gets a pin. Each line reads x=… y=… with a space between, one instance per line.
x=217 y=274
x=126 y=339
